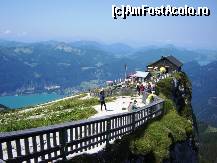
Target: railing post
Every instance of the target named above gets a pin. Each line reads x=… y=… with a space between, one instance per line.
x=108 y=130
x=133 y=121
x=63 y=140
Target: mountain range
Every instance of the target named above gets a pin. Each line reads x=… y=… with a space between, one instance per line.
x=32 y=67
x=204 y=84
x=45 y=66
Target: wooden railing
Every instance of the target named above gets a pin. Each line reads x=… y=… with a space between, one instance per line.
x=58 y=142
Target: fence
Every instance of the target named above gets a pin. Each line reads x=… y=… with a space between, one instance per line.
x=58 y=142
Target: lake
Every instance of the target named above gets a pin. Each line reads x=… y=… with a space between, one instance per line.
x=28 y=100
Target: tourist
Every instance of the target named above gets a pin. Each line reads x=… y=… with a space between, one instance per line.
x=129 y=108
x=132 y=106
x=145 y=95
x=102 y=99
x=150 y=98
x=142 y=88
x=138 y=88
x=153 y=87
x=149 y=87
x=146 y=86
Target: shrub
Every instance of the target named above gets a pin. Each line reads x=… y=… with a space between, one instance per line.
x=159 y=135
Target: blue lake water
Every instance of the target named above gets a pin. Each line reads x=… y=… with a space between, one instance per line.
x=28 y=100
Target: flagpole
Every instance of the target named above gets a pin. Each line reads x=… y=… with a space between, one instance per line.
x=125 y=66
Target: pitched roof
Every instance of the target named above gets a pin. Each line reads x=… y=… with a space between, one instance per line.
x=172 y=59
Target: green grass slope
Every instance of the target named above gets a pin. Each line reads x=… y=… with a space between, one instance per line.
x=71 y=109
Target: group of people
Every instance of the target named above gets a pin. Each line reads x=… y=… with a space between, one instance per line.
x=147 y=99
x=147 y=90
x=148 y=87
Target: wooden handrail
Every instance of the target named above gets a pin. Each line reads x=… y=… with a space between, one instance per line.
x=59 y=141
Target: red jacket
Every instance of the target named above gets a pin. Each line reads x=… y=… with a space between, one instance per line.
x=142 y=88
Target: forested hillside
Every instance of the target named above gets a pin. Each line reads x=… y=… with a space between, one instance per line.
x=33 y=67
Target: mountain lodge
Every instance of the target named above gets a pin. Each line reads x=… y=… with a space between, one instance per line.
x=170 y=63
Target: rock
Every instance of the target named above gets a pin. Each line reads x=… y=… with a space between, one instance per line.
x=184 y=152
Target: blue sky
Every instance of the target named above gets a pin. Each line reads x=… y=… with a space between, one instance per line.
x=70 y=20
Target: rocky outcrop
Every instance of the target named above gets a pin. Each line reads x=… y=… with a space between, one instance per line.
x=185 y=152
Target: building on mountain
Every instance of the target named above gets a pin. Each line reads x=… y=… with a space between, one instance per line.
x=170 y=63
x=140 y=76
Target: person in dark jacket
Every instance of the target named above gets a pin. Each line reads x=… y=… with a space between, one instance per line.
x=138 y=88
x=102 y=99
x=149 y=88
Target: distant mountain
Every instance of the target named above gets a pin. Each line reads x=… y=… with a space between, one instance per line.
x=117 y=49
x=154 y=53
x=204 y=83
x=208 y=144
x=120 y=49
x=32 y=67
x=4 y=43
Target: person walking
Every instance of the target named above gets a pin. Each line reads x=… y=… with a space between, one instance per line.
x=102 y=99
x=149 y=87
x=142 y=88
x=138 y=88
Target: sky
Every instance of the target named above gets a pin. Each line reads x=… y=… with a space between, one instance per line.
x=71 y=20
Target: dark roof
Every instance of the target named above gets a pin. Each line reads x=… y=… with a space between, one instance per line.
x=172 y=59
